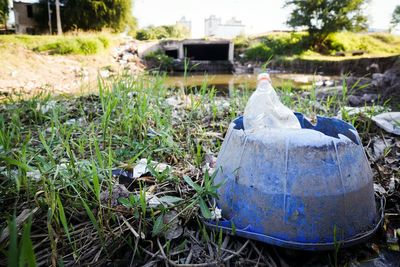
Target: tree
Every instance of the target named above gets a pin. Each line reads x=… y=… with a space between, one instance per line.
x=98 y=14
x=161 y=32
x=395 y=17
x=322 y=17
x=4 y=9
x=58 y=15
x=91 y=14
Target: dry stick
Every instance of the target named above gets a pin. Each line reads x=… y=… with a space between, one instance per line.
x=210 y=250
x=22 y=217
x=136 y=241
x=224 y=244
x=189 y=257
x=153 y=255
x=178 y=252
x=270 y=261
x=238 y=252
x=162 y=252
x=129 y=226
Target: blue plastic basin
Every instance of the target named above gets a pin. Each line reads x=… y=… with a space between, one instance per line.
x=300 y=188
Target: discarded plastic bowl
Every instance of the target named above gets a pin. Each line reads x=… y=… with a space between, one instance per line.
x=308 y=188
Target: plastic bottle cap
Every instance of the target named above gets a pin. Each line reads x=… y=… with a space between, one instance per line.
x=263 y=77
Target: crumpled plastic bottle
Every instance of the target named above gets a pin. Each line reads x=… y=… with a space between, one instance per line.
x=264 y=110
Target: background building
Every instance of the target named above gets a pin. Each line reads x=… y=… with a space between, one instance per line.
x=24 y=15
x=185 y=23
x=231 y=28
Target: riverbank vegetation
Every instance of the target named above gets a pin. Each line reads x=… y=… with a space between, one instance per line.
x=77 y=44
x=76 y=190
x=336 y=46
x=162 y=32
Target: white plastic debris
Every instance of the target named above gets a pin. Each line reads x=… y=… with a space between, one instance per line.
x=142 y=167
x=378 y=188
x=47 y=107
x=265 y=110
x=392 y=184
x=389 y=121
x=34 y=175
x=104 y=73
x=152 y=200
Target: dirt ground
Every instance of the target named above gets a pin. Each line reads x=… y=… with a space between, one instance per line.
x=28 y=72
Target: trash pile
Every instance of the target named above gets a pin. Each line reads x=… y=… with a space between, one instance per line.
x=127 y=56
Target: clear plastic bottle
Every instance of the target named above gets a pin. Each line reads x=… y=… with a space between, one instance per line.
x=265 y=110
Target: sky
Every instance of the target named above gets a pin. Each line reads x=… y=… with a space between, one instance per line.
x=258 y=15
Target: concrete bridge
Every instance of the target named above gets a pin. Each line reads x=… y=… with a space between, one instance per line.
x=203 y=55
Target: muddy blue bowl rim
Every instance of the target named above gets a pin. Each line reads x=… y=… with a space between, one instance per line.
x=226 y=226
x=329 y=126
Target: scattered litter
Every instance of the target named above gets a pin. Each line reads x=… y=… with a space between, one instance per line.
x=139 y=170
x=131 y=94
x=152 y=133
x=378 y=188
x=378 y=148
x=389 y=121
x=104 y=73
x=152 y=200
x=74 y=121
x=385 y=259
x=392 y=184
x=34 y=175
x=210 y=164
x=46 y=107
x=178 y=102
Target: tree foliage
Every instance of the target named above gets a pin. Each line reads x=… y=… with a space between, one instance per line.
x=93 y=14
x=162 y=32
x=322 y=17
x=395 y=17
x=4 y=9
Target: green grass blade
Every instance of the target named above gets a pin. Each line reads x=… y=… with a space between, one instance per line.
x=27 y=254
x=63 y=219
x=12 y=257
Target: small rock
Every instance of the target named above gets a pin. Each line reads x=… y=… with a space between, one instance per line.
x=354 y=100
x=369 y=98
x=118 y=191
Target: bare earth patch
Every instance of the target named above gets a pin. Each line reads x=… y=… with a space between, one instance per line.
x=27 y=72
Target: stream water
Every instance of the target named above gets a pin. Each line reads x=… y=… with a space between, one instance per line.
x=225 y=83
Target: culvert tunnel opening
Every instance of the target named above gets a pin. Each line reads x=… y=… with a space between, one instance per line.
x=209 y=52
x=172 y=53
